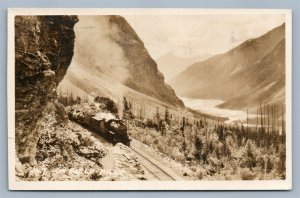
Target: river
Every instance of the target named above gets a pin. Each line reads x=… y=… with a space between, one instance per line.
x=209 y=106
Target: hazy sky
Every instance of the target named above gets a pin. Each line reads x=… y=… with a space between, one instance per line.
x=199 y=35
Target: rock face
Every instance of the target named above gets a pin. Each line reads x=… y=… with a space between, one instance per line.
x=48 y=146
x=43 y=52
x=143 y=73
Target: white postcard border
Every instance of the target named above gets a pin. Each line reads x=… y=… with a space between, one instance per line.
x=144 y=185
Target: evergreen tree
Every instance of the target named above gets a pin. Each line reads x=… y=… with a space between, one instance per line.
x=71 y=100
x=125 y=104
x=167 y=116
x=198 y=148
x=78 y=100
x=183 y=125
x=250 y=154
x=157 y=114
x=183 y=148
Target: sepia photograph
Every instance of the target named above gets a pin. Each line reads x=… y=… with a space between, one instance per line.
x=149 y=99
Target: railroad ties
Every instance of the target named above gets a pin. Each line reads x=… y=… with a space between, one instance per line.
x=154 y=167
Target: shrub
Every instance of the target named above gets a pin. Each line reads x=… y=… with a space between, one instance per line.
x=246 y=174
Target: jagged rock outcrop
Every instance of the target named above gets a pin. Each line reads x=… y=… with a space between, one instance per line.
x=144 y=75
x=43 y=52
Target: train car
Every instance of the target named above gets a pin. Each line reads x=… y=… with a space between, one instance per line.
x=98 y=125
x=118 y=131
x=111 y=128
x=105 y=124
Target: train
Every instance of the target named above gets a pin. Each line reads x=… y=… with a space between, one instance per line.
x=104 y=124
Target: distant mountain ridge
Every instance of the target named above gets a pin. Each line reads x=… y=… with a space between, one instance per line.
x=171 y=64
x=252 y=72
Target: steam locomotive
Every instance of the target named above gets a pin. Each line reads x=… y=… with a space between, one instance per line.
x=105 y=124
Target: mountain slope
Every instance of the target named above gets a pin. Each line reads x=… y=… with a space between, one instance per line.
x=171 y=65
x=269 y=84
x=110 y=55
x=241 y=75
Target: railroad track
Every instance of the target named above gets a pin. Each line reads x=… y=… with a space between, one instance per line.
x=154 y=167
x=158 y=170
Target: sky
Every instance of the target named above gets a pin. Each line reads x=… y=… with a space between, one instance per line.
x=198 y=35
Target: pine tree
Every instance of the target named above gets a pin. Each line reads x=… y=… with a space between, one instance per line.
x=71 y=99
x=268 y=119
x=261 y=117
x=256 y=121
x=78 y=100
x=250 y=154
x=198 y=147
x=167 y=116
x=125 y=104
x=183 y=124
x=129 y=105
x=184 y=147
x=247 y=121
x=157 y=114
x=282 y=122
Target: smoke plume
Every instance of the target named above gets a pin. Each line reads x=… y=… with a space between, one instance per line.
x=98 y=58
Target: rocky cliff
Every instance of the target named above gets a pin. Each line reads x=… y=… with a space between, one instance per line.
x=43 y=52
x=143 y=73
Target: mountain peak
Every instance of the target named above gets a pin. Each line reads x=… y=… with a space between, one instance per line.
x=113 y=57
